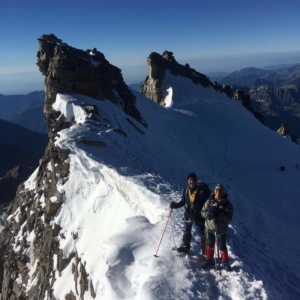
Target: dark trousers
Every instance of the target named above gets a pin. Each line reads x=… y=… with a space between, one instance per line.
x=187 y=236
x=222 y=238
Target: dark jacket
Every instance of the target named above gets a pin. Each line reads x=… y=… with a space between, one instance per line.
x=225 y=214
x=200 y=198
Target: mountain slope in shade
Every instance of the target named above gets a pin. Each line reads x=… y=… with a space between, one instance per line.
x=28 y=140
x=32 y=119
x=13 y=178
x=116 y=199
x=24 y=110
x=16 y=165
x=12 y=155
x=274 y=94
x=278 y=105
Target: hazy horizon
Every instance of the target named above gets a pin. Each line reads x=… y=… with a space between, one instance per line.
x=29 y=81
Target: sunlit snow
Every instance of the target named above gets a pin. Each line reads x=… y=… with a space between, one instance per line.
x=168 y=99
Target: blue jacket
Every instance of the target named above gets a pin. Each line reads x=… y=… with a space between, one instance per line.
x=200 y=198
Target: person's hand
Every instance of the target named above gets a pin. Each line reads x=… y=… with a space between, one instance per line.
x=213 y=212
x=192 y=218
x=172 y=205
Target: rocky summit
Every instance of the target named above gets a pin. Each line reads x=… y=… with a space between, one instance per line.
x=68 y=69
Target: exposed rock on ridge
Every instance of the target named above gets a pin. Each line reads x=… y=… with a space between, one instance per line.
x=240 y=95
x=158 y=65
x=83 y=72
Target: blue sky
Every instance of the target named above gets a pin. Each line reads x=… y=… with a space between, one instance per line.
x=211 y=36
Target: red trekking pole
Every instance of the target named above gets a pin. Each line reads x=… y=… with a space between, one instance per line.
x=163 y=234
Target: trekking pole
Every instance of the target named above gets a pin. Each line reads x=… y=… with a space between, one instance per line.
x=218 y=252
x=163 y=233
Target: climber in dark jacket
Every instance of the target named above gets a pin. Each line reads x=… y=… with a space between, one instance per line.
x=218 y=212
x=193 y=198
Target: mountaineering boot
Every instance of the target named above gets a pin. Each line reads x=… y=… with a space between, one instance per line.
x=224 y=258
x=227 y=267
x=208 y=263
x=209 y=258
x=184 y=249
x=186 y=242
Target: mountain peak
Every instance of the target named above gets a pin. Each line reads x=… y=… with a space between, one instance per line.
x=72 y=70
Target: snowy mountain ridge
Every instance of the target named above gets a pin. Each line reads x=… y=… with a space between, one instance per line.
x=116 y=199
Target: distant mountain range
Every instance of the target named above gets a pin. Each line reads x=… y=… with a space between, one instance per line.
x=254 y=76
x=25 y=110
x=274 y=91
x=219 y=76
x=19 y=136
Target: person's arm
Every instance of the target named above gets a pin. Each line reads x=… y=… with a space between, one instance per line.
x=227 y=213
x=180 y=203
x=204 y=211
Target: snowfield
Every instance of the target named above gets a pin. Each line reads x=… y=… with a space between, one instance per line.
x=117 y=198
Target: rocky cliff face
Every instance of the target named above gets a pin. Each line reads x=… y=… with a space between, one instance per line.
x=82 y=72
x=30 y=256
x=281 y=97
x=158 y=65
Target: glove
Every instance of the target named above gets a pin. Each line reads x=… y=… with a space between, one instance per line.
x=213 y=212
x=172 y=205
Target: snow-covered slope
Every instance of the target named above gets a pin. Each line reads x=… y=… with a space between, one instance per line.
x=117 y=198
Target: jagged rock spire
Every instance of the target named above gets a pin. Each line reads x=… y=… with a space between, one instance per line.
x=83 y=72
x=158 y=65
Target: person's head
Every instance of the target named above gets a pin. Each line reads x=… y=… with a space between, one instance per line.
x=192 y=179
x=219 y=191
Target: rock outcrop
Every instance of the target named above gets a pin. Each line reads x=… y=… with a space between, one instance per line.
x=225 y=88
x=83 y=72
x=70 y=70
x=284 y=129
x=158 y=65
x=246 y=101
